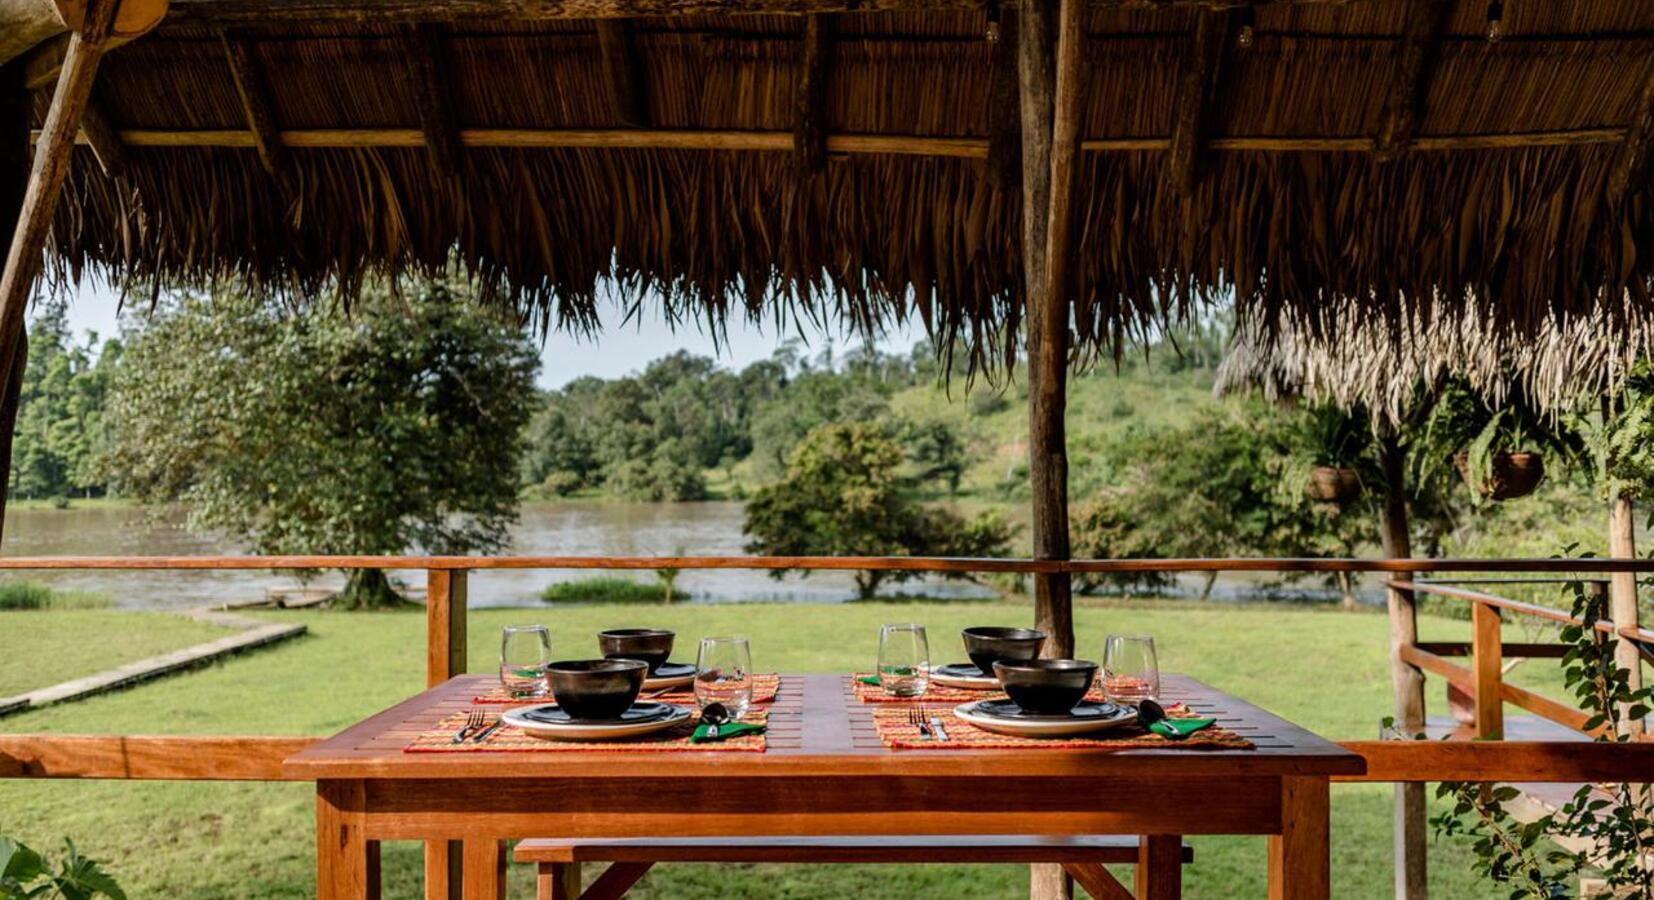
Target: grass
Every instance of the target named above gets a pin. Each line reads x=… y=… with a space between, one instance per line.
x=603 y=589
x=1324 y=669
x=41 y=648
x=20 y=596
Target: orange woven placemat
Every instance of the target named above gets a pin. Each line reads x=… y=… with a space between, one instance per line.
x=937 y=693
x=764 y=689
x=440 y=739
x=898 y=733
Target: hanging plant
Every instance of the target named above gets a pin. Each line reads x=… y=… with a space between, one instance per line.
x=1500 y=453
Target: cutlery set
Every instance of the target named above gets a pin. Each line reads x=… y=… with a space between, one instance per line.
x=477 y=728
x=929 y=724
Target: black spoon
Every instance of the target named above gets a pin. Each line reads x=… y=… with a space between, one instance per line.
x=715 y=714
x=1150 y=712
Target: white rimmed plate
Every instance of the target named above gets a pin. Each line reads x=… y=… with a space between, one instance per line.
x=670 y=675
x=1044 y=726
x=578 y=730
x=963 y=676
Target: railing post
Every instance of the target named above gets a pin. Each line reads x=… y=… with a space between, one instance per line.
x=445 y=615
x=1622 y=591
x=1487 y=660
x=1412 y=878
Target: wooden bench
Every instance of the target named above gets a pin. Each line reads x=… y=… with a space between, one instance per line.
x=1159 y=859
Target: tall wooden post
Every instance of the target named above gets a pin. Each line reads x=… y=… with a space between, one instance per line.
x=1412 y=876
x=1045 y=202
x=1622 y=587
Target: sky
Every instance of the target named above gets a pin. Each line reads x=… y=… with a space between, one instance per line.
x=619 y=350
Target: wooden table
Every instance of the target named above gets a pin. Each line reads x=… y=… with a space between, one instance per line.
x=825 y=773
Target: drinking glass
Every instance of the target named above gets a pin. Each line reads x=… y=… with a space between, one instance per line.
x=525 y=651
x=1130 y=672
x=904 y=660
x=723 y=674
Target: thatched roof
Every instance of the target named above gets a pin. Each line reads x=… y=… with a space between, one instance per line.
x=506 y=141
x=1569 y=362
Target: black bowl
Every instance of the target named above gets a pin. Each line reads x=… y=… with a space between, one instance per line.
x=1046 y=686
x=652 y=645
x=989 y=643
x=596 y=688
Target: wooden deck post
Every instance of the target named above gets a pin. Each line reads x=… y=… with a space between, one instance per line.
x=445 y=614
x=1412 y=881
x=1622 y=587
x=1487 y=660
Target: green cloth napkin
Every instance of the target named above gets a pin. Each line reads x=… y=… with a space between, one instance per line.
x=869 y=679
x=1179 y=728
x=725 y=731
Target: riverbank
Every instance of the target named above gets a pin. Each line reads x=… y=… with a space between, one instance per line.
x=1325 y=669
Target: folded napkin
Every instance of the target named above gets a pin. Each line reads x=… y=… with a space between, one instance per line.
x=1179 y=728
x=869 y=679
x=727 y=730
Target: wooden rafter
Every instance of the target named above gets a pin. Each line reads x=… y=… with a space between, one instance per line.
x=104 y=140
x=383 y=11
x=42 y=64
x=428 y=71
x=810 y=132
x=1416 y=63
x=1195 y=87
x=1632 y=166
x=256 y=105
x=623 y=73
x=1004 y=122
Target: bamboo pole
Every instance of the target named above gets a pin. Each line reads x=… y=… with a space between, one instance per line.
x=1412 y=880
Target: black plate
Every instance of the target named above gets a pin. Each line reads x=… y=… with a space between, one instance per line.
x=672 y=670
x=961 y=670
x=1087 y=711
x=552 y=714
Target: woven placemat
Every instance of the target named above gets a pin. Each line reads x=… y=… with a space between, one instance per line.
x=938 y=693
x=898 y=733
x=764 y=689
x=440 y=739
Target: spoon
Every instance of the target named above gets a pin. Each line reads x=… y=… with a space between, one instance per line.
x=716 y=714
x=1150 y=712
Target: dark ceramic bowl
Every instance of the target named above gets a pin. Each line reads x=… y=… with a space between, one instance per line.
x=990 y=643
x=1046 y=686
x=652 y=645
x=596 y=688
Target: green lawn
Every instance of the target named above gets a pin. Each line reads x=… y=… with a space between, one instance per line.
x=1323 y=669
x=40 y=648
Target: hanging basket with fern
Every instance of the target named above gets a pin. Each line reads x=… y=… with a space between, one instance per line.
x=1333 y=484
x=1507 y=476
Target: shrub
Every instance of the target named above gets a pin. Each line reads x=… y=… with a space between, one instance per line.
x=20 y=595
x=603 y=589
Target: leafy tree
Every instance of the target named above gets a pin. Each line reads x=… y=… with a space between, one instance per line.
x=396 y=426
x=60 y=418
x=27 y=875
x=843 y=495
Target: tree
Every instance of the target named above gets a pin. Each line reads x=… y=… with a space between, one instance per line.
x=60 y=419
x=396 y=426
x=843 y=495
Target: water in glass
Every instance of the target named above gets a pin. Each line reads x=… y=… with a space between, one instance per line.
x=525 y=651
x=904 y=660
x=723 y=674
x=1130 y=672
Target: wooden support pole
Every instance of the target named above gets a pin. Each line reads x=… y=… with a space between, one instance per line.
x=1487 y=660
x=810 y=102
x=256 y=105
x=1415 y=64
x=428 y=71
x=622 y=73
x=1622 y=589
x=52 y=158
x=1410 y=826
x=1004 y=122
x=1195 y=86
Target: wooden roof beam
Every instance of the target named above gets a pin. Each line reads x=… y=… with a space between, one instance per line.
x=1194 y=92
x=428 y=71
x=1416 y=63
x=1631 y=169
x=104 y=140
x=623 y=73
x=1004 y=119
x=256 y=105
x=384 y=11
x=810 y=132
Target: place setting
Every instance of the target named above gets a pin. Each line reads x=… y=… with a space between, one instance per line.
x=602 y=700
x=952 y=682
x=1038 y=702
x=522 y=682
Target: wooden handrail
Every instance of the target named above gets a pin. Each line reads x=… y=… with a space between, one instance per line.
x=1518 y=606
x=885 y=563
x=1465 y=680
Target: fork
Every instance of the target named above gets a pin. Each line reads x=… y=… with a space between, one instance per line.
x=916 y=718
x=935 y=723
x=473 y=722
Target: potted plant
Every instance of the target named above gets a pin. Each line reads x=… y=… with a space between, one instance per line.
x=1499 y=452
x=1328 y=444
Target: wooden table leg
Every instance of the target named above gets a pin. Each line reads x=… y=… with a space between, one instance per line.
x=1159 y=867
x=1300 y=857
x=558 y=881
x=345 y=865
x=442 y=876
x=484 y=870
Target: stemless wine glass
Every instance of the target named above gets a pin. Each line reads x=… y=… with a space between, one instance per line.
x=1130 y=672
x=525 y=651
x=723 y=674
x=904 y=660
